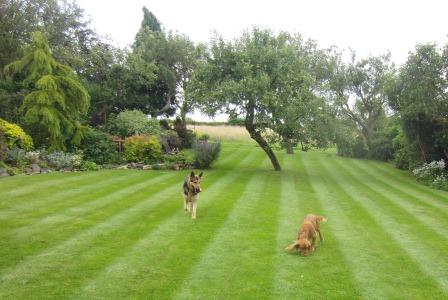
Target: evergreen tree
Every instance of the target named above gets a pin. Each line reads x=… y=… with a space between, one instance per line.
x=57 y=101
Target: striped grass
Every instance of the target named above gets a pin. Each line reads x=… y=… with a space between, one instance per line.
x=118 y=234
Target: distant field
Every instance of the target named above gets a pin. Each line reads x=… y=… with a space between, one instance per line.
x=122 y=234
x=222 y=132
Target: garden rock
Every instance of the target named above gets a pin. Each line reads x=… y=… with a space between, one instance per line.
x=45 y=170
x=35 y=168
x=4 y=173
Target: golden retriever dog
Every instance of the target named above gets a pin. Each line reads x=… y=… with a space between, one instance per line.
x=192 y=188
x=306 y=238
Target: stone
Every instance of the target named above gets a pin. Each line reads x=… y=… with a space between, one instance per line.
x=4 y=173
x=45 y=170
x=35 y=168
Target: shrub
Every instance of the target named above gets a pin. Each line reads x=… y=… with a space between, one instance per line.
x=17 y=157
x=186 y=136
x=170 y=141
x=61 y=160
x=142 y=148
x=3 y=147
x=133 y=122
x=15 y=136
x=98 y=147
x=205 y=154
x=204 y=137
x=428 y=172
x=89 y=166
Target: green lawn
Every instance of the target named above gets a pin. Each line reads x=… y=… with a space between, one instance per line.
x=123 y=233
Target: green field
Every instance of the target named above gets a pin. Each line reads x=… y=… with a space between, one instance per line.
x=117 y=234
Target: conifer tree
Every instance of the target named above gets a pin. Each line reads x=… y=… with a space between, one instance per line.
x=57 y=101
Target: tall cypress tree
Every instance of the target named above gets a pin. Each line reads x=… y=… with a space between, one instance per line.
x=57 y=101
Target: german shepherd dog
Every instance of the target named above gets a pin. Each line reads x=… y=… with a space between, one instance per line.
x=192 y=188
x=306 y=237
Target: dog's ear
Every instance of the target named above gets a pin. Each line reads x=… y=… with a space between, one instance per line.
x=192 y=174
x=200 y=175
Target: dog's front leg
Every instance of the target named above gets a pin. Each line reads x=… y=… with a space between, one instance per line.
x=185 y=204
x=194 y=204
x=321 y=237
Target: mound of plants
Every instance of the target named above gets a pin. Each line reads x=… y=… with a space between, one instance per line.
x=205 y=154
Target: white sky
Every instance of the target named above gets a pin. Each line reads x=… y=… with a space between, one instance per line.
x=366 y=26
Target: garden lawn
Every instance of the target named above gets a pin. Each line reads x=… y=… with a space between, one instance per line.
x=118 y=234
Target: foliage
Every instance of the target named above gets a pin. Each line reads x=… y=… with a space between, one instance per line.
x=186 y=136
x=88 y=165
x=97 y=147
x=433 y=174
x=205 y=154
x=15 y=136
x=133 y=122
x=57 y=101
x=61 y=160
x=358 y=90
x=142 y=148
x=3 y=146
x=204 y=137
x=262 y=78
x=16 y=157
x=418 y=94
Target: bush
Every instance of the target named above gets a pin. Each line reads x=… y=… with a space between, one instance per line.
x=89 y=166
x=132 y=122
x=17 y=157
x=204 y=137
x=61 y=160
x=3 y=147
x=186 y=136
x=433 y=174
x=15 y=136
x=98 y=147
x=205 y=154
x=142 y=148
x=170 y=141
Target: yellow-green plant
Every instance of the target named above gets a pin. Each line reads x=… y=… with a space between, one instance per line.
x=15 y=136
x=142 y=148
x=57 y=100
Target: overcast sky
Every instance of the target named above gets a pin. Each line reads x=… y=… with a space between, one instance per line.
x=369 y=27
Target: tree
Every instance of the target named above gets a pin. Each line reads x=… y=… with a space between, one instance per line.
x=261 y=77
x=57 y=101
x=419 y=94
x=359 y=93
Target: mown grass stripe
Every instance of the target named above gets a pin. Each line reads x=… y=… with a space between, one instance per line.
x=157 y=263
x=322 y=275
x=249 y=232
x=72 y=213
x=49 y=201
x=10 y=201
x=429 y=200
x=423 y=246
x=18 y=189
x=428 y=215
x=404 y=180
x=37 y=264
x=379 y=254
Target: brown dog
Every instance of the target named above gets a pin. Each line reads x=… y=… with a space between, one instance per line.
x=306 y=238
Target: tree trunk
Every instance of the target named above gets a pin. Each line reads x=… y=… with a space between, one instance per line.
x=289 y=148
x=254 y=134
